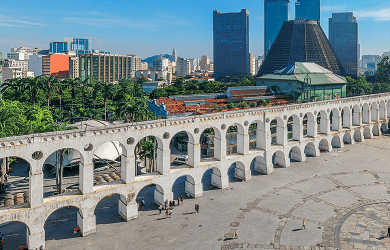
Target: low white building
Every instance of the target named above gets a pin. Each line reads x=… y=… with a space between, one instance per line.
x=152 y=74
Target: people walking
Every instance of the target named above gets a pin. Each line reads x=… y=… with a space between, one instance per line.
x=142 y=204
x=166 y=204
x=236 y=233
x=197 y=208
x=166 y=214
x=178 y=201
x=303 y=224
x=170 y=213
x=160 y=208
x=182 y=199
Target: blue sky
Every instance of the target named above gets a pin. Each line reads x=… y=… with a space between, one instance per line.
x=156 y=27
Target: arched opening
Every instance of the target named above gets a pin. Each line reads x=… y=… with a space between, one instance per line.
x=14 y=182
x=375 y=130
x=384 y=127
x=236 y=172
x=258 y=166
x=279 y=160
x=235 y=139
x=367 y=133
x=356 y=116
x=296 y=154
x=374 y=112
x=357 y=136
x=212 y=179
x=210 y=140
x=107 y=210
x=15 y=234
x=382 y=110
x=309 y=125
x=347 y=138
x=151 y=196
x=365 y=114
x=334 y=119
x=346 y=115
x=324 y=146
x=293 y=128
x=322 y=122
x=182 y=150
x=277 y=131
x=184 y=186
x=255 y=130
x=61 y=223
x=388 y=108
x=148 y=156
x=310 y=150
x=336 y=142
x=109 y=159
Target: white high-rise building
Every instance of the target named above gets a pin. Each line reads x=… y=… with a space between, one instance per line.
x=22 y=53
x=205 y=63
x=174 y=56
x=183 y=67
x=195 y=64
x=161 y=64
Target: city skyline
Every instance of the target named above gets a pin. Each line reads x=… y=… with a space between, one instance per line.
x=125 y=29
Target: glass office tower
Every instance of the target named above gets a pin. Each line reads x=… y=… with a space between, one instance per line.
x=308 y=9
x=275 y=13
x=231 y=43
x=58 y=47
x=343 y=36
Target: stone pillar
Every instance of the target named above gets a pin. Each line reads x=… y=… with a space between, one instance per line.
x=127 y=210
x=281 y=133
x=243 y=142
x=128 y=168
x=261 y=166
x=86 y=174
x=337 y=123
x=224 y=181
x=195 y=190
x=36 y=240
x=194 y=153
x=268 y=167
x=86 y=224
x=312 y=127
x=375 y=115
x=325 y=125
x=298 y=129
x=263 y=136
x=36 y=189
x=163 y=160
x=220 y=146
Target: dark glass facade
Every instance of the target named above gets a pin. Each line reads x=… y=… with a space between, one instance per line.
x=343 y=36
x=275 y=13
x=58 y=47
x=231 y=43
x=308 y=9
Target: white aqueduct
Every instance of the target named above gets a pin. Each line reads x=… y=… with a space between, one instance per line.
x=330 y=124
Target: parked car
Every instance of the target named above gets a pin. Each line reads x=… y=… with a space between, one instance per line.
x=181 y=160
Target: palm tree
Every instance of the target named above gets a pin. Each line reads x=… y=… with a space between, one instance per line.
x=96 y=87
x=73 y=84
x=84 y=84
x=49 y=82
x=33 y=85
x=107 y=90
x=59 y=86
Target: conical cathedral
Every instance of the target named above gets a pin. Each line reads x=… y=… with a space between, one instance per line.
x=300 y=40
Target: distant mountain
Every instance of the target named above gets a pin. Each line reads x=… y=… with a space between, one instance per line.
x=149 y=60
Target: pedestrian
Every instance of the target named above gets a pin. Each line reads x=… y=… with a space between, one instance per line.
x=178 y=201
x=388 y=231
x=41 y=247
x=1 y=241
x=236 y=233
x=166 y=204
x=170 y=213
x=166 y=214
x=197 y=208
x=182 y=199
x=160 y=208
x=303 y=225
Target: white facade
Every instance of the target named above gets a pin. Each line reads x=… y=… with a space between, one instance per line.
x=23 y=65
x=183 y=67
x=135 y=64
x=11 y=73
x=154 y=75
x=161 y=64
x=22 y=53
x=74 y=63
x=195 y=64
x=205 y=63
x=35 y=64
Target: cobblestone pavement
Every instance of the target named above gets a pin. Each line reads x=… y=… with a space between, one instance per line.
x=343 y=196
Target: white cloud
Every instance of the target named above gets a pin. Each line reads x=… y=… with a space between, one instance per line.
x=381 y=15
x=7 y=21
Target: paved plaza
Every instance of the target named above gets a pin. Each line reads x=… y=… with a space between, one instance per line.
x=343 y=196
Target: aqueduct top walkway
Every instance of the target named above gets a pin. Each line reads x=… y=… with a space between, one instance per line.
x=314 y=127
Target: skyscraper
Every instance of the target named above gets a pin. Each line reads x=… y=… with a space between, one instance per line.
x=301 y=40
x=174 y=56
x=343 y=36
x=308 y=9
x=231 y=43
x=275 y=13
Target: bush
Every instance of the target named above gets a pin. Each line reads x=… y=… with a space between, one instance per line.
x=253 y=104
x=243 y=104
x=231 y=106
x=215 y=107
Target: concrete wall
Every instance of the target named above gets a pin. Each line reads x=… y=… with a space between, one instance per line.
x=353 y=120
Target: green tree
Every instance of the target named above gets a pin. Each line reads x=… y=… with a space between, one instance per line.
x=108 y=91
x=358 y=86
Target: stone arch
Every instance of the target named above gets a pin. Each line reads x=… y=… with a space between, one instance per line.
x=296 y=154
x=236 y=171
x=382 y=110
x=184 y=183
x=293 y=128
x=110 y=201
x=322 y=122
x=367 y=133
x=375 y=130
x=16 y=233
x=357 y=136
x=277 y=131
x=310 y=149
x=335 y=120
x=235 y=134
x=212 y=178
x=347 y=138
x=346 y=117
x=256 y=133
x=365 y=114
x=356 y=119
x=258 y=166
x=73 y=214
x=309 y=122
x=210 y=143
x=384 y=127
x=336 y=142
x=151 y=190
x=374 y=112
x=279 y=159
x=182 y=144
x=149 y=149
x=324 y=146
